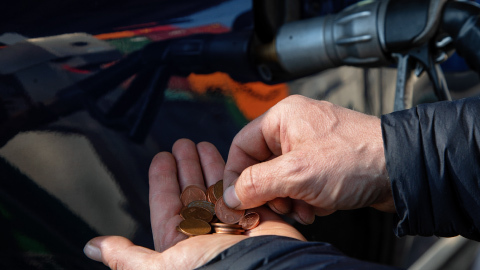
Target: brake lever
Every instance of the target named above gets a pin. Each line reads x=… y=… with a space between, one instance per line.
x=405 y=81
x=410 y=66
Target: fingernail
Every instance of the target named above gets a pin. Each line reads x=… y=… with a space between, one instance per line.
x=310 y=219
x=92 y=252
x=303 y=221
x=230 y=197
x=276 y=210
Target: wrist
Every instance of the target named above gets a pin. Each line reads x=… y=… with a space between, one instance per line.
x=385 y=201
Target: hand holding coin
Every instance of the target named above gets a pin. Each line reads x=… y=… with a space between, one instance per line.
x=200 y=166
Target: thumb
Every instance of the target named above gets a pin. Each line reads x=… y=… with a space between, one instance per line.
x=118 y=252
x=261 y=183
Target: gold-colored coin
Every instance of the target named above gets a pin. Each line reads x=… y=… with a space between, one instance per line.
x=192 y=227
x=196 y=213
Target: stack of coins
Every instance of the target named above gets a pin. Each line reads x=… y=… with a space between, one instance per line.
x=204 y=211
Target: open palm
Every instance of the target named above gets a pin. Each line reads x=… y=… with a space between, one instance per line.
x=188 y=164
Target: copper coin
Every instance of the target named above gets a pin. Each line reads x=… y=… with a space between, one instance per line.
x=210 y=196
x=192 y=193
x=223 y=225
x=194 y=227
x=227 y=215
x=196 y=213
x=228 y=231
x=203 y=204
x=249 y=221
x=218 y=189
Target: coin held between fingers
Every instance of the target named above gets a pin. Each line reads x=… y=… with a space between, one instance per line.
x=230 y=197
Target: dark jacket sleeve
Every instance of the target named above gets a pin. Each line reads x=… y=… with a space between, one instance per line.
x=433 y=161
x=278 y=252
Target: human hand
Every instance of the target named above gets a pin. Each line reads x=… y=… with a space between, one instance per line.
x=323 y=156
x=190 y=164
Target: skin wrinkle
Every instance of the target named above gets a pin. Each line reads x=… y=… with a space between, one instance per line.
x=252 y=182
x=206 y=165
x=114 y=254
x=283 y=144
x=162 y=177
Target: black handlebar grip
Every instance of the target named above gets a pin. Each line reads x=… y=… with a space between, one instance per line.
x=461 y=20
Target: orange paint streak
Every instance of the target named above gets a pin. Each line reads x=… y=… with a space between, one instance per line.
x=253 y=99
x=116 y=35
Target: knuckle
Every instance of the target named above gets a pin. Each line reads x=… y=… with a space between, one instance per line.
x=295 y=98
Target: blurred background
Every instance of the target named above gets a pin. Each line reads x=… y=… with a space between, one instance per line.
x=75 y=178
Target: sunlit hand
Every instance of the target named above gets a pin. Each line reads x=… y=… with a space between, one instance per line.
x=323 y=156
x=190 y=164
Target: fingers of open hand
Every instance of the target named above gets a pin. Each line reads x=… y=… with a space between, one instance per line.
x=169 y=175
x=165 y=204
x=188 y=164
x=211 y=162
x=118 y=252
